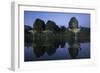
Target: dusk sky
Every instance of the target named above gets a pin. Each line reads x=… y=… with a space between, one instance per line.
x=60 y=18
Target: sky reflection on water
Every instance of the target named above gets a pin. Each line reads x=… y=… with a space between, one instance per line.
x=61 y=53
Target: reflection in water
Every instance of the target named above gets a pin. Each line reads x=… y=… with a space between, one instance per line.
x=49 y=42
x=45 y=43
x=74 y=48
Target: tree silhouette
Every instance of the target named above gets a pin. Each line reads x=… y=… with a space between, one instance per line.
x=50 y=25
x=73 y=23
x=39 y=25
x=63 y=28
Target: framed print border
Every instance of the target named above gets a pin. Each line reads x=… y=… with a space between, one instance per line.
x=17 y=35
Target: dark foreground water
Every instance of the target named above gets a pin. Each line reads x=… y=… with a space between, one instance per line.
x=59 y=46
x=65 y=51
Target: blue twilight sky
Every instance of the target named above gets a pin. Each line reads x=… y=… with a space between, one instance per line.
x=60 y=18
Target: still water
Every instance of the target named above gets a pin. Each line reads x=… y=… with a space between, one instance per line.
x=63 y=51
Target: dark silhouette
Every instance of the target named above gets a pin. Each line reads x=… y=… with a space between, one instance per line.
x=74 y=48
x=73 y=23
x=62 y=28
x=28 y=35
x=50 y=25
x=84 y=34
x=39 y=25
x=47 y=38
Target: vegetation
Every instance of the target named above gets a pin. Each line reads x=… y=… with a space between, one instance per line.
x=47 y=37
x=73 y=23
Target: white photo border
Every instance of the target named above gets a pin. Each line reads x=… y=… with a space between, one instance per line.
x=17 y=60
